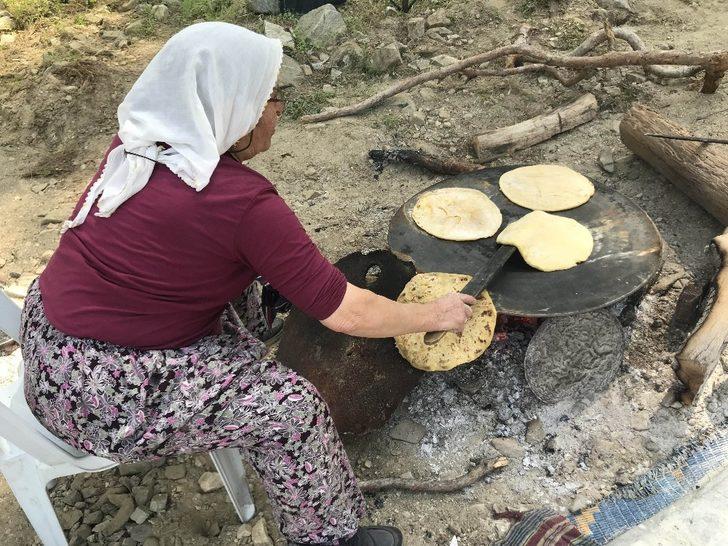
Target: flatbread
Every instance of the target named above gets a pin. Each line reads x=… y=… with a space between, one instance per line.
x=453 y=349
x=548 y=242
x=549 y=188
x=457 y=214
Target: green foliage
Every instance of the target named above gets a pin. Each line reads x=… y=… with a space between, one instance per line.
x=148 y=21
x=302 y=44
x=232 y=11
x=529 y=7
x=26 y=12
x=390 y=122
x=303 y=105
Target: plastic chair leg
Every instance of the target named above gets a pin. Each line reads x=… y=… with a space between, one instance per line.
x=229 y=464
x=29 y=487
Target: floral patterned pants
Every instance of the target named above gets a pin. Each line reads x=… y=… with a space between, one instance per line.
x=128 y=404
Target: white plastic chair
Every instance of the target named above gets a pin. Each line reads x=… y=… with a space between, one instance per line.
x=31 y=457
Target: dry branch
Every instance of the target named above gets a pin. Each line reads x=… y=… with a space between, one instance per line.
x=714 y=64
x=432 y=163
x=524 y=33
x=532 y=131
x=445 y=486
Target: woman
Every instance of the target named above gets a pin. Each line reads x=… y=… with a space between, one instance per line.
x=131 y=352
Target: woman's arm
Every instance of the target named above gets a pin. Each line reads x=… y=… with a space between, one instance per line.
x=363 y=313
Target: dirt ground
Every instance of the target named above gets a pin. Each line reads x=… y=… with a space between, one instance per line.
x=57 y=120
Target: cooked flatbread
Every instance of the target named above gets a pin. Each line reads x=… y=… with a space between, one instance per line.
x=546 y=187
x=452 y=349
x=457 y=214
x=548 y=242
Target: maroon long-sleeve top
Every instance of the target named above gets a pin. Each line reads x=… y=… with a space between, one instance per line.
x=158 y=272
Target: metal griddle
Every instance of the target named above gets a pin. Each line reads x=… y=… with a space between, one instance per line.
x=626 y=255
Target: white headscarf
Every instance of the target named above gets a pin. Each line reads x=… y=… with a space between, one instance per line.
x=203 y=91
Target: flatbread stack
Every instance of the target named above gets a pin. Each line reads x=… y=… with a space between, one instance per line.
x=457 y=214
x=453 y=349
x=548 y=242
x=549 y=188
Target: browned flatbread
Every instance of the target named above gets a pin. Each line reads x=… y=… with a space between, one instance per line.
x=453 y=349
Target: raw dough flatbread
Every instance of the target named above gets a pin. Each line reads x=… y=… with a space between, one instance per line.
x=548 y=242
x=453 y=349
x=549 y=188
x=457 y=214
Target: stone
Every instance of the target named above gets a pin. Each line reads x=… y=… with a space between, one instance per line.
x=125 y=506
x=571 y=357
x=667 y=282
x=6 y=38
x=160 y=12
x=444 y=60
x=615 y=4
x=159 y=503
x=347 y=54
x=94 y=517
x=508 y=447
x=134 y=28
x=320 y=27
x=211 y=528
x=128 y=5
x=385 y=58
x=259 y=534
x=139 y=515
x=328 y=89
x=440 y=34
x=335 y=74
x=266 y=7
x=82 y=532
x=438 y=18
x=69 y=518
x=111 y=35
x=244 y=531
x=151 y=541
x=175 y=472
x=140 y=533
x=408 y=431
x=71 y=497
x=606 y=160
x=535 y=433
x=210 y=481
x=307 y=70
x=291 y=74
x=7 y=23
x=142 y=494
x=416 y=28
x=418 y=117
x=277 y=32
x=580 y=502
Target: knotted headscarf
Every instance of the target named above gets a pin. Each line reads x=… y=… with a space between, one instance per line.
x=204 y=90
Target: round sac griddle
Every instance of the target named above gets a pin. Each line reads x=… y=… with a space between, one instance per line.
x=626 y=255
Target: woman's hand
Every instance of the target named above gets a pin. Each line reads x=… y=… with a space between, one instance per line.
x=451 y=312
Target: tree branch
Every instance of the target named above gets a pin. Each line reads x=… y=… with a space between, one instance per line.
x=445 y=486
x=715 y=64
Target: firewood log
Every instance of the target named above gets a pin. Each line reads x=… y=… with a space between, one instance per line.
x=532 y=131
